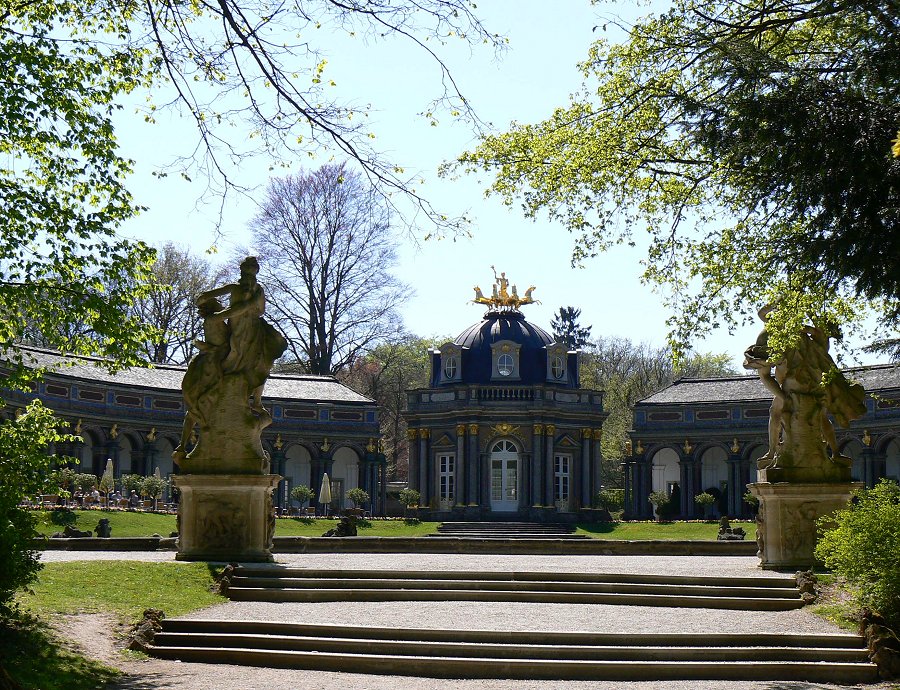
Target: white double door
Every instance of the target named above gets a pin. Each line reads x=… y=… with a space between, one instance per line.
x=504 y=477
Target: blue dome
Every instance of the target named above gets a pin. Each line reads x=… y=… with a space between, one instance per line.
x=504 y=325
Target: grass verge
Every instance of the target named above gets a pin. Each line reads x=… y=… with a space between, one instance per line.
x=309 y=527
x=124 y=588
x=36 y=659
x=836 y=603
x=667 y=531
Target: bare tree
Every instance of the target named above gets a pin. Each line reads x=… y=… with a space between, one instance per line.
x=327 y=249
x=179 y=276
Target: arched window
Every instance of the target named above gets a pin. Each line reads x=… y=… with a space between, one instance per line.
x=558 y=367
x=451 y=365
x=505 y=364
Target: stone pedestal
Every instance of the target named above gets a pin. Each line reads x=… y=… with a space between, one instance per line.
x=786 y=523
x=225 y=517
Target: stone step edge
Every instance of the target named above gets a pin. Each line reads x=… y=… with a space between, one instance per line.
x=256 y=582
x=520 y=576
x=836 y=640
x=477 y=650
x=452 y=667
x=661 y=600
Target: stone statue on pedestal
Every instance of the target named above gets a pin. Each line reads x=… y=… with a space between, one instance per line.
x=225 y=511
x=803 y=476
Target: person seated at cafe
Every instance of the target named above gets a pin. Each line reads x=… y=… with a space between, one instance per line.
x=95 y=496
x=115 y=497
x=134 y=501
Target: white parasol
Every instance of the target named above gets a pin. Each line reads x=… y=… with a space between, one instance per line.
x=325 y=492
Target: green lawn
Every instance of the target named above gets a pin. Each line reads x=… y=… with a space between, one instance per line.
x=669 y=531
x=138 y=524
x=124 y=588
x=305 y=527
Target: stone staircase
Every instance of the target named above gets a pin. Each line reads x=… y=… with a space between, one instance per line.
x=507 y=530
x=274 y=584
x=832 y=658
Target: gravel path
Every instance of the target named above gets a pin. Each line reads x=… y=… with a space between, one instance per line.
x=156 y=674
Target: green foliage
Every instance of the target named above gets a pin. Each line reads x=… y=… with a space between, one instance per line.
x=704 y=500
x=130 y=482
x=302 y=494
x=358 y=496
x=751 y=498
x=612 y=500
x=153 y=486
x=24 y=469
x=750 y=140
x=409 y=497
x=84 y=481
x=61 y=480
x=863 y=544
x=659 y=499
x=665 y=531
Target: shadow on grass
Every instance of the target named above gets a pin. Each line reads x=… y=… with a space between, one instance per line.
x=34 y=658
x=597 y=527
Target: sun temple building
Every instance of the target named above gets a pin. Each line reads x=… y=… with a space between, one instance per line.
x=134 y=418
x=706 y=435
x=503 y=429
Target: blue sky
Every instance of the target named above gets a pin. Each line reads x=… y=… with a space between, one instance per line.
x=537 y=73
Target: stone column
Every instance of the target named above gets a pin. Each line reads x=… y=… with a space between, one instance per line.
x=735 y=485
x=278 y=460
x=686 y=479
x=537 y=439
x=868 y=462
x=148 y=459
x=411 y=436
x=585 y=492
x=426 y=485
x=550 y=431
x=475 y=498
x=596 y=460
x=459 y=491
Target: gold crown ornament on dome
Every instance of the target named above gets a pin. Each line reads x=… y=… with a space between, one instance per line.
x=504 y=296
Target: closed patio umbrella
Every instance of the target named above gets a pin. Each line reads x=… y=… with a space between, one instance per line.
x=325 y=492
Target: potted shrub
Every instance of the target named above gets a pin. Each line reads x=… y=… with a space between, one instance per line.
x=153 y=487
x=705 y=501
x=302 y=494
x=659 y=500
x=409 y=498
x=359 y=497
x=107 y=481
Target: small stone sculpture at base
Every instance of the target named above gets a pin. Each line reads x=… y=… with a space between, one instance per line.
x=103 y=528
x=345 y=528
x=72 y=533
x=727 y=533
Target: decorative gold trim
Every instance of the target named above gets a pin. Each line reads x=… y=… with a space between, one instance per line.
x=278 y=444
x=866 y=438
x=114 y=431
x=460 y=429
x=411 y=434
x=425 y=433
x=538 y=429
x=628 y=447
x=598 y=434
x=687 y=447
x=326 y=446
x=151 y=435
x=78 y=426
x=504 y=429
x=370 y=446
x=473 y=429
x=550 y=429
x=735 y=446
x=640 y=448
x=586 y=433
